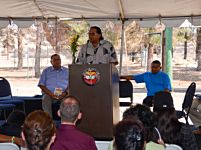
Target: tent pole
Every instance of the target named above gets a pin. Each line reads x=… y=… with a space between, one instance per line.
x=122 y=46
x=168 y=51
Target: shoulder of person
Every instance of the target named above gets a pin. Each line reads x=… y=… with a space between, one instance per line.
x=105 y=43
x=83 y=46
x=147 y=73
x=163 y=73
x=47 y=69
x=65 y=68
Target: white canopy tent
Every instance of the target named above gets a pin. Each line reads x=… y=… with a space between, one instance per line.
x=142 y=10
x=146 y=12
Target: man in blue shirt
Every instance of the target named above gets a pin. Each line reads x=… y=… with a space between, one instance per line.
x=155 y=81
x=53 y=83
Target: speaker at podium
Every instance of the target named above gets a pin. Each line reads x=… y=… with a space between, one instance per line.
x=97 y=88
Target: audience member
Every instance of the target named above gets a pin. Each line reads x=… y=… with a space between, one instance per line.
x=129 y=135
x=13 y=125
x=155 y=81
x=68 y=137
x=174 y=132
x=11 y=139
x=195 y=114
x=144 y=114
x=38 y=131
x=97 y=50
x=53 y=83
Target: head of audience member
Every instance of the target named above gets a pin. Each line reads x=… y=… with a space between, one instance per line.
x=155 y=66
x=129 y=135
x=69 y=110
x=38 y=131
x=168 y=125
x=144 y=114
x=56 y=61
x=16 y=118
x=162 y=100
x=95 y=34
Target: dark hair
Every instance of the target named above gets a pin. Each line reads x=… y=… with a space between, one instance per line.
x=169 y=126
x=38 y=129
x=69 y=109
x=129 y=135
x=144 y=114
x=16 y=118
x=54 y=56
x=98 y=30
x=156 y=62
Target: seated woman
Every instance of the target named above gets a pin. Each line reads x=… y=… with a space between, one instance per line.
x=144 y=114
x=174 y=132
x=129 y=135
x=38 y=131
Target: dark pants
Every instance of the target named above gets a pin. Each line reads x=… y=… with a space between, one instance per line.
x=148 y=101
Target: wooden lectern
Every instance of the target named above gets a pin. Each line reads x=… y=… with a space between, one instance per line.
x=97 y=88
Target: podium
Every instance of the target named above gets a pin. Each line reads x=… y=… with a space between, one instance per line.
x=97 y=88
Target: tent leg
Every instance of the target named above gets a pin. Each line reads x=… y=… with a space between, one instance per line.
x=122 y=47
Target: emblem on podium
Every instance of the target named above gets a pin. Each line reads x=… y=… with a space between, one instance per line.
x=91 y=76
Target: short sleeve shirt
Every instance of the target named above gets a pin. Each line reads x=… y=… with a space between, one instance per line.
x=154 y=82
x=103 y=54
x=52 y=78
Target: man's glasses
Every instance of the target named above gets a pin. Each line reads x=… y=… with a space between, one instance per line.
x=56 y=59
x=155 y=67
x=91 y=33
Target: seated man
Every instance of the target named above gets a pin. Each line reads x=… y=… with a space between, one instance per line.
x=53 y=83
x=155 y=81
x=68 y=136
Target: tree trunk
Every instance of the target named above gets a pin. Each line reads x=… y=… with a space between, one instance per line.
x=198 y=48
x=163 y=52
x=7 y=43
x=57 y=48
x=38 y=49
x=150 y=57
x=20 y=50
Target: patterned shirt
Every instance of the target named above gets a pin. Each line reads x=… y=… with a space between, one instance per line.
x=52 y=78
x=104 y=53
x=188 y=141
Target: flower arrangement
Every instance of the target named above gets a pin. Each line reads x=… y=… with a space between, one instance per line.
x=73 y=47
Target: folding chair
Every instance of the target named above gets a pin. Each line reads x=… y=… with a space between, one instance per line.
x=126 y=90
x=162 y=99
x=186 y=105
x=6 y=94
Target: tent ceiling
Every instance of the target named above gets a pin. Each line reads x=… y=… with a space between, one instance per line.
x=99 y=9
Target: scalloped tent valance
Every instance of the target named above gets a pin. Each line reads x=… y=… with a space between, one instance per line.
x=171 y=12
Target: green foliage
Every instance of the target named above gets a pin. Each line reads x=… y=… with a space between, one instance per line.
x=182 y=34
x=78 y=28
x=74 y=45
x=153 y=36
x=110 y=32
